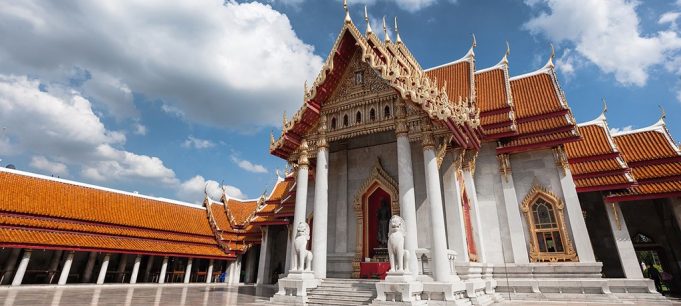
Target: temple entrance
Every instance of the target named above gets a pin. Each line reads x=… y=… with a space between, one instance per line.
x=375 y=203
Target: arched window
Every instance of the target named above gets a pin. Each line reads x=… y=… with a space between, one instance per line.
x=386 y=112
x=548 y=238
x=372 y=115
x=358 y=117
x=345 y=120
x=333 y=123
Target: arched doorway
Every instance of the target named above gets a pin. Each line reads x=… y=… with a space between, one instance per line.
x=376 y=200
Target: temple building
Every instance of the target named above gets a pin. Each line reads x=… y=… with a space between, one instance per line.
x=500 y=190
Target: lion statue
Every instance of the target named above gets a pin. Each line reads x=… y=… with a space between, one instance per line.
x=399 y=257
x=302 y=261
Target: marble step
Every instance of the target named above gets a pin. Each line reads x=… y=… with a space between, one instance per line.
x=339 y=302
x=346 y=285
x=341 y=293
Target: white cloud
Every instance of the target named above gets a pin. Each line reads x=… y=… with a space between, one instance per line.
x=220 y=63
x=52 y=167
x=192 y=190
x=619 y=130
x=197 y=143
x=248 y=166
x=64 y=127
x=407 y=5
x=139 y=129
x=669 y=18
x=607 y=34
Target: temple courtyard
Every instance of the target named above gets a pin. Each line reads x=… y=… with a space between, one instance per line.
x=172 y=294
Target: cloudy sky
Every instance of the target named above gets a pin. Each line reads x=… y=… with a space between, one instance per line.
x=161 y=96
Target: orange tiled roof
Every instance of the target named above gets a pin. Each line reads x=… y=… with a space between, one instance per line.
x=39 y=211
x=491 y=90
x=655 y=161
x=459 y=78
x=595 y=161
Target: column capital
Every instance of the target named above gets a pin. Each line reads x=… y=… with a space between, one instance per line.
x=427 y=137
x=302 y=157
x=321 y=142
x=401 y=119
x=469 y=158
x=561 y=159
x=504 y=165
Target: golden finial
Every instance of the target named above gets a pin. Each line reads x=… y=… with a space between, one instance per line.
x=366 y=18
x=283 y=126
x=398 y=39
x=385 y=31
x=271 y=137
x=347 y=11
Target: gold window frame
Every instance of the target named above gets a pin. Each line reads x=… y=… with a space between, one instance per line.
x=568 y=254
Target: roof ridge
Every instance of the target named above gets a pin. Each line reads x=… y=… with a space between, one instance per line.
x=101 y=188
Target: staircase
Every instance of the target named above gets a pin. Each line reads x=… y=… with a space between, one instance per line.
x=336 y=291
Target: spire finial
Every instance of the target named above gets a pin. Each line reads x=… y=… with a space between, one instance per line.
x=475 y=43
x=504 y=60
x=605 y=107
x=366 y=18
x=663 y=113
x=508 y=49
x=347 y=11
x=398 y=39
x=385 y=31
x=549 y=64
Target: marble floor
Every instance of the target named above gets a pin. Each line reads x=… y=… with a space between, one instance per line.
x=171 y=295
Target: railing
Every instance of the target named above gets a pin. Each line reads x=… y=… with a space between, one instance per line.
x=423 y=258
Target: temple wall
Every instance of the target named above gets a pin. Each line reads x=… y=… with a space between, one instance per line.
x=496 y=236
x=536 y=167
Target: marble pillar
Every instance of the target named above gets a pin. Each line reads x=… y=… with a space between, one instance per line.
x=209 y=273
x=289 y=250
x=301 y=193
x=9 y=266
x=456 y=229
x=135 y=269
x=321 y=204
x=478 y=237
x=147 y=269
x=120 y=271
x=21 y=270
x=54 y=265
x=440 y=264
x=164 y=268
x=625 y=248
x=89 y=267
x=406 y=187
x=188 y=271
x=264 y=258
x=64 y=276
x=251 y=266
x=580 y=234
x=514 y=216
x=103 y=268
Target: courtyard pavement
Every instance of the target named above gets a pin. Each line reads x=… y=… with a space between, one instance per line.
x=169 y=294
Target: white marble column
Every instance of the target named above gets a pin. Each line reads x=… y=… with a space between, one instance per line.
x=580 y=234
x=469 y=182
x=406 y=187
x=135 y=269
x=64 y=276
x=54 y=264
x=625 y=248
x=164 y=268
x=209 y=273
x=103 y=268
x=147 y=269
x=301 y=193
x=9 y=266
x=188 y=271
x=440 y=264
x=513 y=214
x=289 y=250
x=251 y=267
x=120 y=271
x=21 y=270
x=264 y=258
x=89 y=267
x=456 y=228
x=321 y=204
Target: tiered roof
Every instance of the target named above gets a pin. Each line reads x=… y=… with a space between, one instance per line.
x=44 y=212
x=595 y=161
x=631 y=165
x=655 y=162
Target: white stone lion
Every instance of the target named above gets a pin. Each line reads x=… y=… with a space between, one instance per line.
x=399 y=257
x=302 y=261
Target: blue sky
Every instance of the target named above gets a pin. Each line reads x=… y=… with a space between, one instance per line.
x=162 y=96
